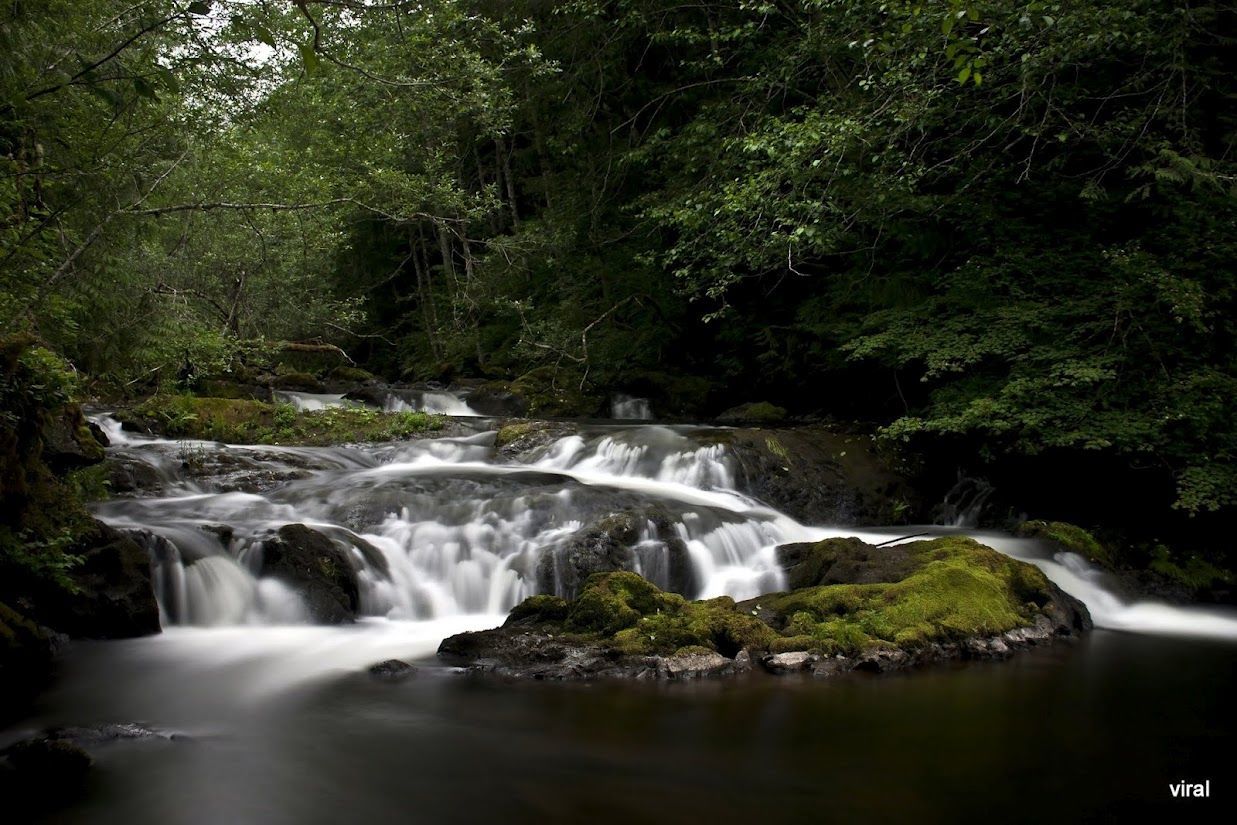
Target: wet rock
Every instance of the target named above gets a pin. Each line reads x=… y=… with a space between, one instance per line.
x=48 y=764
x=114 y=598
x=317 y=568
x=129 y=475
x=831 y=666
x=794 y=662
x=392 y=670
x=553 y=393
x=881 y=660
x=694 y=666
x=617 y=542
x=526 y=441
x=26 y=652
x=68 y=442
x=498 y=399
x=843 y=561
x=298 y=382
x=817 y=475
x=93 y=735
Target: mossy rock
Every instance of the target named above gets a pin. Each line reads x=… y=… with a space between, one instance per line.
x=351 y=374
x=230 y=388
x=756 y=413
x=555 y=394
x=298 y=382
x=1068 y=537
x=943 y=590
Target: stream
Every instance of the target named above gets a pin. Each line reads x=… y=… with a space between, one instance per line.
x=276 y=720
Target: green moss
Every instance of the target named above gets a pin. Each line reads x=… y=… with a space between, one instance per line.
x=90 y=483
x=957 y=589
x=759 y=412
x=512 y=433
x=954 y=588
x=539 y=610
x=777 y=449
x=549 y=392
x=1194 y=572
x=351 y=374
x=1069 y=536
x=239 y=421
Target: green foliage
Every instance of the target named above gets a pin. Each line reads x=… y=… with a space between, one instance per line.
x=1193 y=572
x=241 y=421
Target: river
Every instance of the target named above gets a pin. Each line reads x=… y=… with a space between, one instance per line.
x=274 y=720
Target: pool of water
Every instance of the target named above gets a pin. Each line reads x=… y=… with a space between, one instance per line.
x=283 y=728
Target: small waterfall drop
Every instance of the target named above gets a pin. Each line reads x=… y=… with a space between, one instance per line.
x=629 y=408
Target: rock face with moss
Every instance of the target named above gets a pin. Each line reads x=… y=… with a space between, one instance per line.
x=523 y=440
x=611 y=544
x=61 y=571
x=854 y=609
x=243 y=421
x=819 y=475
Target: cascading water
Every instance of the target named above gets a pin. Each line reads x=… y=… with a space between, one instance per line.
x=629 y=408
x=447 y=527
x=439 y=402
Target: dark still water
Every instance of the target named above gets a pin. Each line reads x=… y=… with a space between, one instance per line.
x=279 y=728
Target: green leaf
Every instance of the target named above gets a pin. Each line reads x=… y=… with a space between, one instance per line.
x=263 y=35
x=199 y=7
x=965 y=74
x=144 y=89
x=310 y=58
x=169 y=81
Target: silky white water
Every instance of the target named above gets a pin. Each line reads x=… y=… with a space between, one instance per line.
x=445 y=527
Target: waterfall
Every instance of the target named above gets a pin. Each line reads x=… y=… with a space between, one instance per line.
x=445 y=527
x=629 y=408
x=439 y=402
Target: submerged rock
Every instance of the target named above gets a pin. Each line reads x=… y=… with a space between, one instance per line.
x=928 y=601
x=46 y=764
x=392 y=670
x=317 y=569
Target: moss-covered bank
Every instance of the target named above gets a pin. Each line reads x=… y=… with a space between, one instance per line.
x=242 y=421
x=61 y=571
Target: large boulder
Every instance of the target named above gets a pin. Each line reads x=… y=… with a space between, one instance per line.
x=818 y=475
x=26 y=652
x=69 y=443
x=498 y=399
x=553 y=393
x=843 y=561
x=755 y=413
x=112 y=596
x=316 y=568
x=527 y=440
